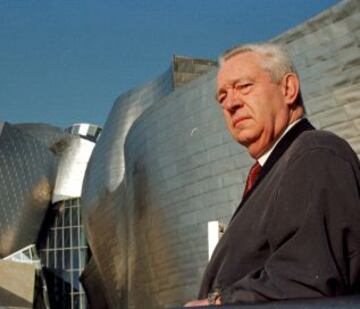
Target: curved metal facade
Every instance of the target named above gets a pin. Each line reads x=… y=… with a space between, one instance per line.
x=103 y=182
x=71 y=169
x=27 y=175
x=147 y=214
x=182 y=170
x=127 y=108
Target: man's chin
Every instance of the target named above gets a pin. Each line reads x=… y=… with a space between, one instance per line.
x=243 y=140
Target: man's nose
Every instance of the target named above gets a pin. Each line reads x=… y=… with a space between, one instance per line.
x=233 y=101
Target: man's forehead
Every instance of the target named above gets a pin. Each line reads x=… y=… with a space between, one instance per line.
x=239 y=66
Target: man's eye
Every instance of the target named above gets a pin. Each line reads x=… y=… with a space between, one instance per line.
x=221 y=98
x=243 y=87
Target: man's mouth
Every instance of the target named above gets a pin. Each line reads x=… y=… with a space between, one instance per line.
x=238 y=120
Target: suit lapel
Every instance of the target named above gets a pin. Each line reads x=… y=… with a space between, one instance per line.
x=281 y=147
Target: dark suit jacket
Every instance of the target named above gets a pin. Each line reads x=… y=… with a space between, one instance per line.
x=297 y=234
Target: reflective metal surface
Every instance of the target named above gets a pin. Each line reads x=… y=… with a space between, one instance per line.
x=103 y=185
x=71 y=169
x=85 y=130
x=45 y=133
x=27 y=175
x=32 y=156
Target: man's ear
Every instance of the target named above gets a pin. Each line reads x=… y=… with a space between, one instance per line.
x=291 y=88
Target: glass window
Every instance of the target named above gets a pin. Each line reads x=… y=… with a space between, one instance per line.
x=66 y=275
x=75 y=281
x=75 y=255
x=27 y=254
x=67 y=232
x=82 y=237
x=59 y=219
x=82 y=258
x=59 y=258
x=67 y=217
x=82 y=300
x=57 y=216
x=67 y=258
x=51 y=259
x=75 y=216
x=76 y=301
x=54 y=232
x=59 y=238
x=61 y=214
x=75 y=237
x=51 y=239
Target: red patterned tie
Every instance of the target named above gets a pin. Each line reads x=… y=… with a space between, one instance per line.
x=254 y=172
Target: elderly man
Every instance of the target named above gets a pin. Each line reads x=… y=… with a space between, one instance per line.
x=296 y=232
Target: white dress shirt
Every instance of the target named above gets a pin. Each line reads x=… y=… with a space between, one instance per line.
x=267 y=154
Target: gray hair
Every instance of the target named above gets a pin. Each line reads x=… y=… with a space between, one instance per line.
x=275 y=59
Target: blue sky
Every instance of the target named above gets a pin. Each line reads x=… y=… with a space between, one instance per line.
x=63 y=62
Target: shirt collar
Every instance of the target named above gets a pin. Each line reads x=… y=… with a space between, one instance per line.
x=267 y=154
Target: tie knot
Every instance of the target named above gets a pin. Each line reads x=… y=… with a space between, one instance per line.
x=253 y=173
x=255 y=169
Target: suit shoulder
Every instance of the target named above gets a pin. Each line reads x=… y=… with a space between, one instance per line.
x=323 y=141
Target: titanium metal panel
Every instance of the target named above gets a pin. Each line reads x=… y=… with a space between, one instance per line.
x=71 y=169
x=27 y=174
x=103 y=183
x=90 y=278
x=45 y=133
x=176 y=156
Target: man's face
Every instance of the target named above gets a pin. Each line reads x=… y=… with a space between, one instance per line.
x=254 y=107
